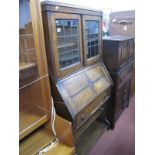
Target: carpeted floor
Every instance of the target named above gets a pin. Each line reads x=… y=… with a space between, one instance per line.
x=121 y=140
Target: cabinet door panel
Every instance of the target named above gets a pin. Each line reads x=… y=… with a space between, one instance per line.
x=27 y=53
x=92 y=38
x=34 y=103
x=131 y=49
x=123 y=47
x=67 y=43
x=122 y=98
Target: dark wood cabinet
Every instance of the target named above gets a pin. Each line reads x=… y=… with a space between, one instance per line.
x=117 y=52
x=79 y=80
x=118 y=55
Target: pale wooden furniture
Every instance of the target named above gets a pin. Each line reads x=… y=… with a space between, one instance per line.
x=42 y=137
x=35 y=100
x=34 y=90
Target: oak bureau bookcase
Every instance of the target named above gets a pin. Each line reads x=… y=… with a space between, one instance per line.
x=79 y=81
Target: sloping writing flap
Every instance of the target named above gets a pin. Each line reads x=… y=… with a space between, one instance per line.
x=81 y=88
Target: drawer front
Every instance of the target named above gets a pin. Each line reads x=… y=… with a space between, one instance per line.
x=88 y=111
x=122 y=98
x=123 y=53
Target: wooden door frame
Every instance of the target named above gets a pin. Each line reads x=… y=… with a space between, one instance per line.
x=97 y=57
x=75 y=67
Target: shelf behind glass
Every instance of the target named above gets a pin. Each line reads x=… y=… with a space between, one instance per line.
x=24 y=65
x=68 y=42
x=29 y=119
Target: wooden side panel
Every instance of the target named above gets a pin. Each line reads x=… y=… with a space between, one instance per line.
x=111 y=55
x=64 y=131
x=40 y=47
x=40 y=139
x=39 y=37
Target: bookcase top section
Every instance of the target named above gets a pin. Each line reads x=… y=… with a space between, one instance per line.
x=69 y=8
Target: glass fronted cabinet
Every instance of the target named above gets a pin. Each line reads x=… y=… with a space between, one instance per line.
x=75 y=37
x=92 y=38
x=33 y=75
x=79 y=80
x=67 y=43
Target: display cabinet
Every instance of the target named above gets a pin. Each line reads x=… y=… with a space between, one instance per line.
x=79 y=81
x=35 y=131
x=34 y=90
x=75 y=37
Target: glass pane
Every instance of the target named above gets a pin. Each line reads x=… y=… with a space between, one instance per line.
x=27 y=52
x=31 y=108
x=68 y=42
x=92 y=37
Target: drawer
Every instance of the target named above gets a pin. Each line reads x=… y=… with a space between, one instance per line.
x=88 y=111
